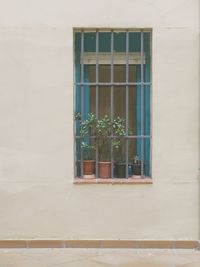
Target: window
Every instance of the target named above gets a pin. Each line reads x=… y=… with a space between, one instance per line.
x=112 y=103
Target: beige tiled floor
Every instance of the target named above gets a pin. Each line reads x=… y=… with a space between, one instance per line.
x=98 y=258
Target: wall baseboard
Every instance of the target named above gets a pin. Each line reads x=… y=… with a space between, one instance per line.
x=136 y=244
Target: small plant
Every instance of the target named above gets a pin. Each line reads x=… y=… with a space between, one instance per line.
x=119 y=127
x=105 y=128
x=88 y=151
x=77 y=116
x=87 y=129
x=119 y=132
x=103 y=133
x=136 y=160
x=88 y=126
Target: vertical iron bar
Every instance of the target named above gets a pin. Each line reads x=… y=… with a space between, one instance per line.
x=150 y=160
x=127 y=102
x=142 y=103
x=112 y=97
x=74 y=108
x=82 y=91
x=150 y=167
x=97 y=98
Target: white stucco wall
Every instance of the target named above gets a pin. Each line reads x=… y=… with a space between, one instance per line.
x=37 y=195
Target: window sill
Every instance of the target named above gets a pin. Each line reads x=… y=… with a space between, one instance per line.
x=134 y=180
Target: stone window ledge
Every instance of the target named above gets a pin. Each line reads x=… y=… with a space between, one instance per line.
x=132 y=180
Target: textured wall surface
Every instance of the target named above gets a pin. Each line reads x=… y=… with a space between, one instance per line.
x=37 y=195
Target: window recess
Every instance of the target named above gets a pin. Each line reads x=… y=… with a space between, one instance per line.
x=112 y=104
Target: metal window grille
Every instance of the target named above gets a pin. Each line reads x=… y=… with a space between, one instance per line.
x=88 y=55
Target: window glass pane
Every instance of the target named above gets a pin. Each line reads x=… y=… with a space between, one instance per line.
x=147 y=157
x=134 y=42
x=77 y=56
x=78 y=98
x=104 y=73
x=135 y=46
x=89 y=42
x=135 y=146
x=131 y=154
x=78 y=73
x=119 y=41
x=138 y=110
x=119 y=73
x=120 y=101
x=78 y=108
x=135 y=110
x=89 y=73
x=132 y=74
x=77 y=42
x=104 y=42
x=138 y=73
x=132 y=111
x=78 y=158
x=147 y=109
x=86 y=101
x=147 y=52
x=132 y=149
x=104 y=101
x=92 y=99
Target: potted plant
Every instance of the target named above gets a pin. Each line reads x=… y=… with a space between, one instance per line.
x=88 y=159
x=119 y=134
x=87 y=128
x=103 y=133
x=104 y=129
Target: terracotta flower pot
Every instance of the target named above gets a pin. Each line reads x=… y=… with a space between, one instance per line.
x=88 y=167
x=104 y=169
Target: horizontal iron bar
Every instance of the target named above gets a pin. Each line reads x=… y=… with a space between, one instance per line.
x=108 y=29
x=103 y=84
x=114 y=136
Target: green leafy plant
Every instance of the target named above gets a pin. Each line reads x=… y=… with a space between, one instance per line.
x=119 y=127
x=119 y=133
x=77 y=116
x=87 y=129
x=102 y=129
x=103 y=133
x=88 y=151
x=88 y=126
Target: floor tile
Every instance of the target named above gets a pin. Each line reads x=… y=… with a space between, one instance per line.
x=99 y=258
